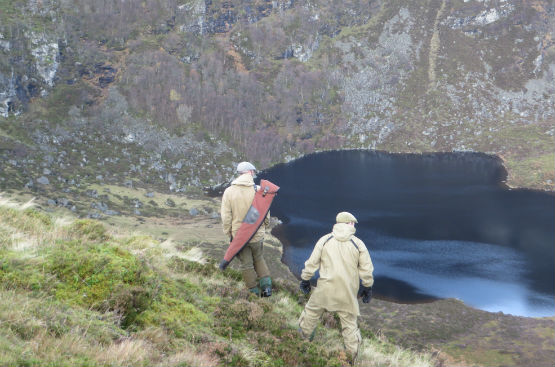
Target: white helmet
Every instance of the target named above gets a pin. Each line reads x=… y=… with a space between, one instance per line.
x=245 y=167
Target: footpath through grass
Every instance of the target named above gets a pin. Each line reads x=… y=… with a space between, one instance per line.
x=72 y=293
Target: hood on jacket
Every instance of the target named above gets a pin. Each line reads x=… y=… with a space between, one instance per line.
x=244 y=180
x=343 y=231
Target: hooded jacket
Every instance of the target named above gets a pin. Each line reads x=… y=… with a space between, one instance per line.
x=236 y=201
x=341 y=265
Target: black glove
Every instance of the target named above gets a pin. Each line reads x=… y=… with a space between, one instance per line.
x=365 y=293
x=224 y=264
x=360 y=288
x=305 y=286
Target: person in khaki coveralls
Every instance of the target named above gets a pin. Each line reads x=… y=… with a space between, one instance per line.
x=344 y=264
x=236 y=201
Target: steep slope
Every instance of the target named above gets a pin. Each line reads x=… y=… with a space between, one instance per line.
x=171 y=94
x=146 y=291
x=73 y=293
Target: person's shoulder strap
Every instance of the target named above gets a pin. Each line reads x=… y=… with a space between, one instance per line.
x=329 y=238
x=352 y=241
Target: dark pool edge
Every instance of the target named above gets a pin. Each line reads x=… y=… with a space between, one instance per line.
x=495 y=156
x=217 y=190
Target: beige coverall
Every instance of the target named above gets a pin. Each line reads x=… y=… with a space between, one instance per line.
x=341 y=265
x=236 y=201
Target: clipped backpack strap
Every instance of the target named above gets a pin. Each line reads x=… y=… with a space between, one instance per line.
x=329 y=238
x=354 y=244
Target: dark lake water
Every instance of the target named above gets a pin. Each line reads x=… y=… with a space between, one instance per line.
x=436 y=225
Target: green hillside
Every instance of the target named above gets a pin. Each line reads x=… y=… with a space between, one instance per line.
x=74 y=293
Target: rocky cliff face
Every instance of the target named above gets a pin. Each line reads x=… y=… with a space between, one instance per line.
x=31 y=48
x=30 y=71
x=172 y=94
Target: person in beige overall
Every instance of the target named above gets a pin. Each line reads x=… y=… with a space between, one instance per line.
x=236 y=201
x=344 y=264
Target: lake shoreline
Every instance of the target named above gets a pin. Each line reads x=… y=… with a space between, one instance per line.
x=390 y=300
x=440 y=225
x=459 y=334
x=451 y=329
x=503 y=161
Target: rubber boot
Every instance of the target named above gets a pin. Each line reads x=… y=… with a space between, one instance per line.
x=310 y=337
x=255 y=290
x=266 y=287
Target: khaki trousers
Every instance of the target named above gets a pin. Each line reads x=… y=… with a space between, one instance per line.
x=349 y=329
x=253 y=265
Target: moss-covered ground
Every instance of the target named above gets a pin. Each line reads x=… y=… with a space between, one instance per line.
x=145 y=290
x=81 y=292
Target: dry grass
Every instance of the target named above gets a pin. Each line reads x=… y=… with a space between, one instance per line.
x=6 y=202
x=190 y=358
x=373 y=354
x=40 y=329
x=126 y=352
x=289 y=309
x=26 y=232
x=44 y=331
x=253 y=356
x=195 y=254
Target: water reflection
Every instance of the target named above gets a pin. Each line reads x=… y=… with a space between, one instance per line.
x=436 y=225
